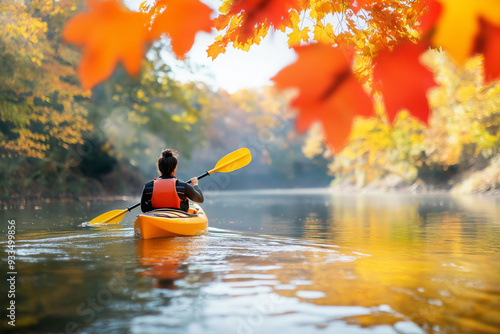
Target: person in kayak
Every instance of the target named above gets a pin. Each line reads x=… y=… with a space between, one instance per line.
x=167 y=191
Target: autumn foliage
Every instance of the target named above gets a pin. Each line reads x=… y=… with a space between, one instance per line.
x=329 y=94
x=348 y=51
x=403 y=81
x=38 y=85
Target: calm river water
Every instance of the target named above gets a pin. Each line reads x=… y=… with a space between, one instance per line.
x=283 y=261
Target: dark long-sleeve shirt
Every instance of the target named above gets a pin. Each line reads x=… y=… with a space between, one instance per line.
x=185 y=191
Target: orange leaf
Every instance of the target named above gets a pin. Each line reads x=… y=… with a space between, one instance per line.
x=285 y=23
x=328 y=91
x=488 y=43
x=222 y=21
x=109 y=33
x=403 y=80
x=360 y=4
x=260 y=11
x=181 y=20
x=216 y=49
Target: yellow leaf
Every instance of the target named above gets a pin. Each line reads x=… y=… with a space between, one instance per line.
x=324 y=34
x=313 y=14
x=190 y=119
x=140 y=94
x=226 y=6
x=297 y=36
x=295 y=18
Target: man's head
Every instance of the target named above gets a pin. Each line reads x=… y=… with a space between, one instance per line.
x=167 y=163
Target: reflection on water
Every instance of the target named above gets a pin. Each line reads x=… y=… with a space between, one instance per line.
x=295 y=262
x=164 y=258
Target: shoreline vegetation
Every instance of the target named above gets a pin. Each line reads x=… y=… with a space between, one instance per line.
x=17 y=201
x=486 y=181
x=478 y=184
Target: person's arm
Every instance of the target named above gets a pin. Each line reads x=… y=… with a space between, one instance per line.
x=146 y=197
x=193 y=192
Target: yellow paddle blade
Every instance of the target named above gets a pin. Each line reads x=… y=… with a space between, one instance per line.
x=110 y=217
x=233 y=161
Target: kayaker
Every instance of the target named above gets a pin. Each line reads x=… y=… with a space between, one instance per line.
x=167 y=191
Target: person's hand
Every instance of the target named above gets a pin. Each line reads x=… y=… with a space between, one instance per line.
x=194 y=181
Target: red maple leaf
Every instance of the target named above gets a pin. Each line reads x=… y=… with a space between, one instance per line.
x=429 y=19
x=260 y=11
x=403 y=80
x=109 y=33
x=488 y=43
x=328 y=91
x=181 y=20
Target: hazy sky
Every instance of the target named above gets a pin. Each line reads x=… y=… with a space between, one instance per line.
x=236 y=69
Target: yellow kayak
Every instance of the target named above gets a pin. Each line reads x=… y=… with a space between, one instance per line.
x=170 y=222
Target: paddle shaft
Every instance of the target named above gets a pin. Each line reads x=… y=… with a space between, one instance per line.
x=121 y=213
x=201 y=176
x=133 y=206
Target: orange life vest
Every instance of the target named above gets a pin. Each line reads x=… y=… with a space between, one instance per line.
x=165 y=194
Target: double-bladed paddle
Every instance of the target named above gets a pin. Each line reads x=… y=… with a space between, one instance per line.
x=231 y=162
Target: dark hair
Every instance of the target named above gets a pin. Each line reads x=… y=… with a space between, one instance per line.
x=167 y=162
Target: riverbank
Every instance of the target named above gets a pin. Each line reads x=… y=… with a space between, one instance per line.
x=124 y=183
x=31 y=180
x=345 y=188
x=486 y=181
